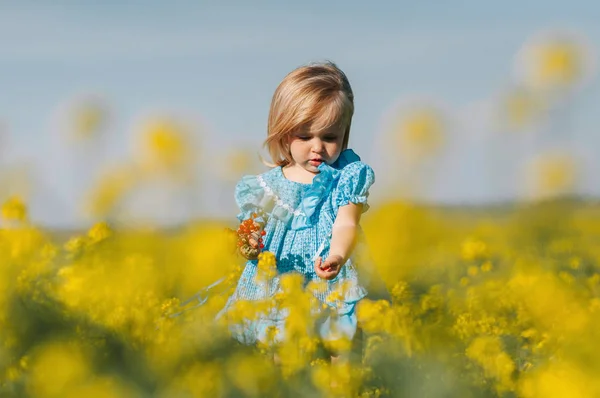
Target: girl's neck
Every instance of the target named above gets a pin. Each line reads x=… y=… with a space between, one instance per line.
x=295 y=173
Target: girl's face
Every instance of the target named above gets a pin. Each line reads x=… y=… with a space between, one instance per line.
x=310 y=149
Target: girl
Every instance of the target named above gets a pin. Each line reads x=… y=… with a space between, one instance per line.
x=311 y=202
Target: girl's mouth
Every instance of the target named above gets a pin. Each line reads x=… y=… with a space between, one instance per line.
x=315 y=162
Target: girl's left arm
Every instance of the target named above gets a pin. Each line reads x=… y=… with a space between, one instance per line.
x=343 y=240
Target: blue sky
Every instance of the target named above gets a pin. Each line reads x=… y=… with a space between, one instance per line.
x=217 y=63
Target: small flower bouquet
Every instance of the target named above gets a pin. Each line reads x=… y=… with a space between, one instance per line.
x=249 y=237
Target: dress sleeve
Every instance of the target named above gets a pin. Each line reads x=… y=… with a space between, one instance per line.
x=354 y=184
x=249 y=196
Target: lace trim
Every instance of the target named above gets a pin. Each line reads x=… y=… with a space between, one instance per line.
x=272 y=194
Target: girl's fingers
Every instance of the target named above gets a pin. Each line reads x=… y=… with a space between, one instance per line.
x=325 y=270
x=326 y=274
x=320 y=263
x=318 y=266
x=330 y=275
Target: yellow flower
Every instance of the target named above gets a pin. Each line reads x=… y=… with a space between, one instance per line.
x=14 y=209
x=473 y=249
x=552 y=174
x=110 y=190
x=593 y=280
x=529 y=333
x=57 y=367
x=165 y=147
x=473 y=270
x=13 y=373
x=87 y=118
x=99 y=232
x=170 y=306
x=486 y=266
x=554 y=60
x=373 y=315
x=420 y=132
x=266 y=260
x=200 y=379
x=266 y=267
x=488 y=353
x=559 y=63
x=243 y=371
x=76 y=244
x=574 y=262
x=560 y=379
x=24 y=362
x=401 y=291
x=521 y=107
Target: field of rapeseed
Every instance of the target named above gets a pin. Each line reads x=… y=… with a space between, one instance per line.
x=501 y=304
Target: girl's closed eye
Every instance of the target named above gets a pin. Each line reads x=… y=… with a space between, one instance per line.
x=329 y=138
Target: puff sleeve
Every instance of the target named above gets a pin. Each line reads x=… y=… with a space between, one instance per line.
x=354 y=183
x=249 y=196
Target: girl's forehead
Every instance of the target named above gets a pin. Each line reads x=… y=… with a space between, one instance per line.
x=313 y=130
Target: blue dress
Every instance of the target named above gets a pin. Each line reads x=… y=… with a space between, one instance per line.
x=298 y=230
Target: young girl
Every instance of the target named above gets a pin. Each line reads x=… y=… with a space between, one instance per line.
x=312 y=200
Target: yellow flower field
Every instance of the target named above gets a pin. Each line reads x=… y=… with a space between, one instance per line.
x=504 y=302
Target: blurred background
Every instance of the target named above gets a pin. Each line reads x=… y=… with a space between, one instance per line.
x=150 y=112
x=479 y=119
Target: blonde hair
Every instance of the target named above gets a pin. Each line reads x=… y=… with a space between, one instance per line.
x=316 y=96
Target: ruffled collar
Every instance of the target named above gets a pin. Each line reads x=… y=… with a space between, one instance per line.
x=320 y=188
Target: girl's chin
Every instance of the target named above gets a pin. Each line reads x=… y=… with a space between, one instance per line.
x=312 y=169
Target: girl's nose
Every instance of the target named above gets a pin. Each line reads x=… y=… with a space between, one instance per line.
x=317 y=146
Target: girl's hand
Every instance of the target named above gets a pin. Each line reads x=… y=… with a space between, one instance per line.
x=330 y=268
x=251 y=249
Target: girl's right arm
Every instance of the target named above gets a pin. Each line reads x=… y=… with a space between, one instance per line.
x=350 y=198
x=343 y=239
